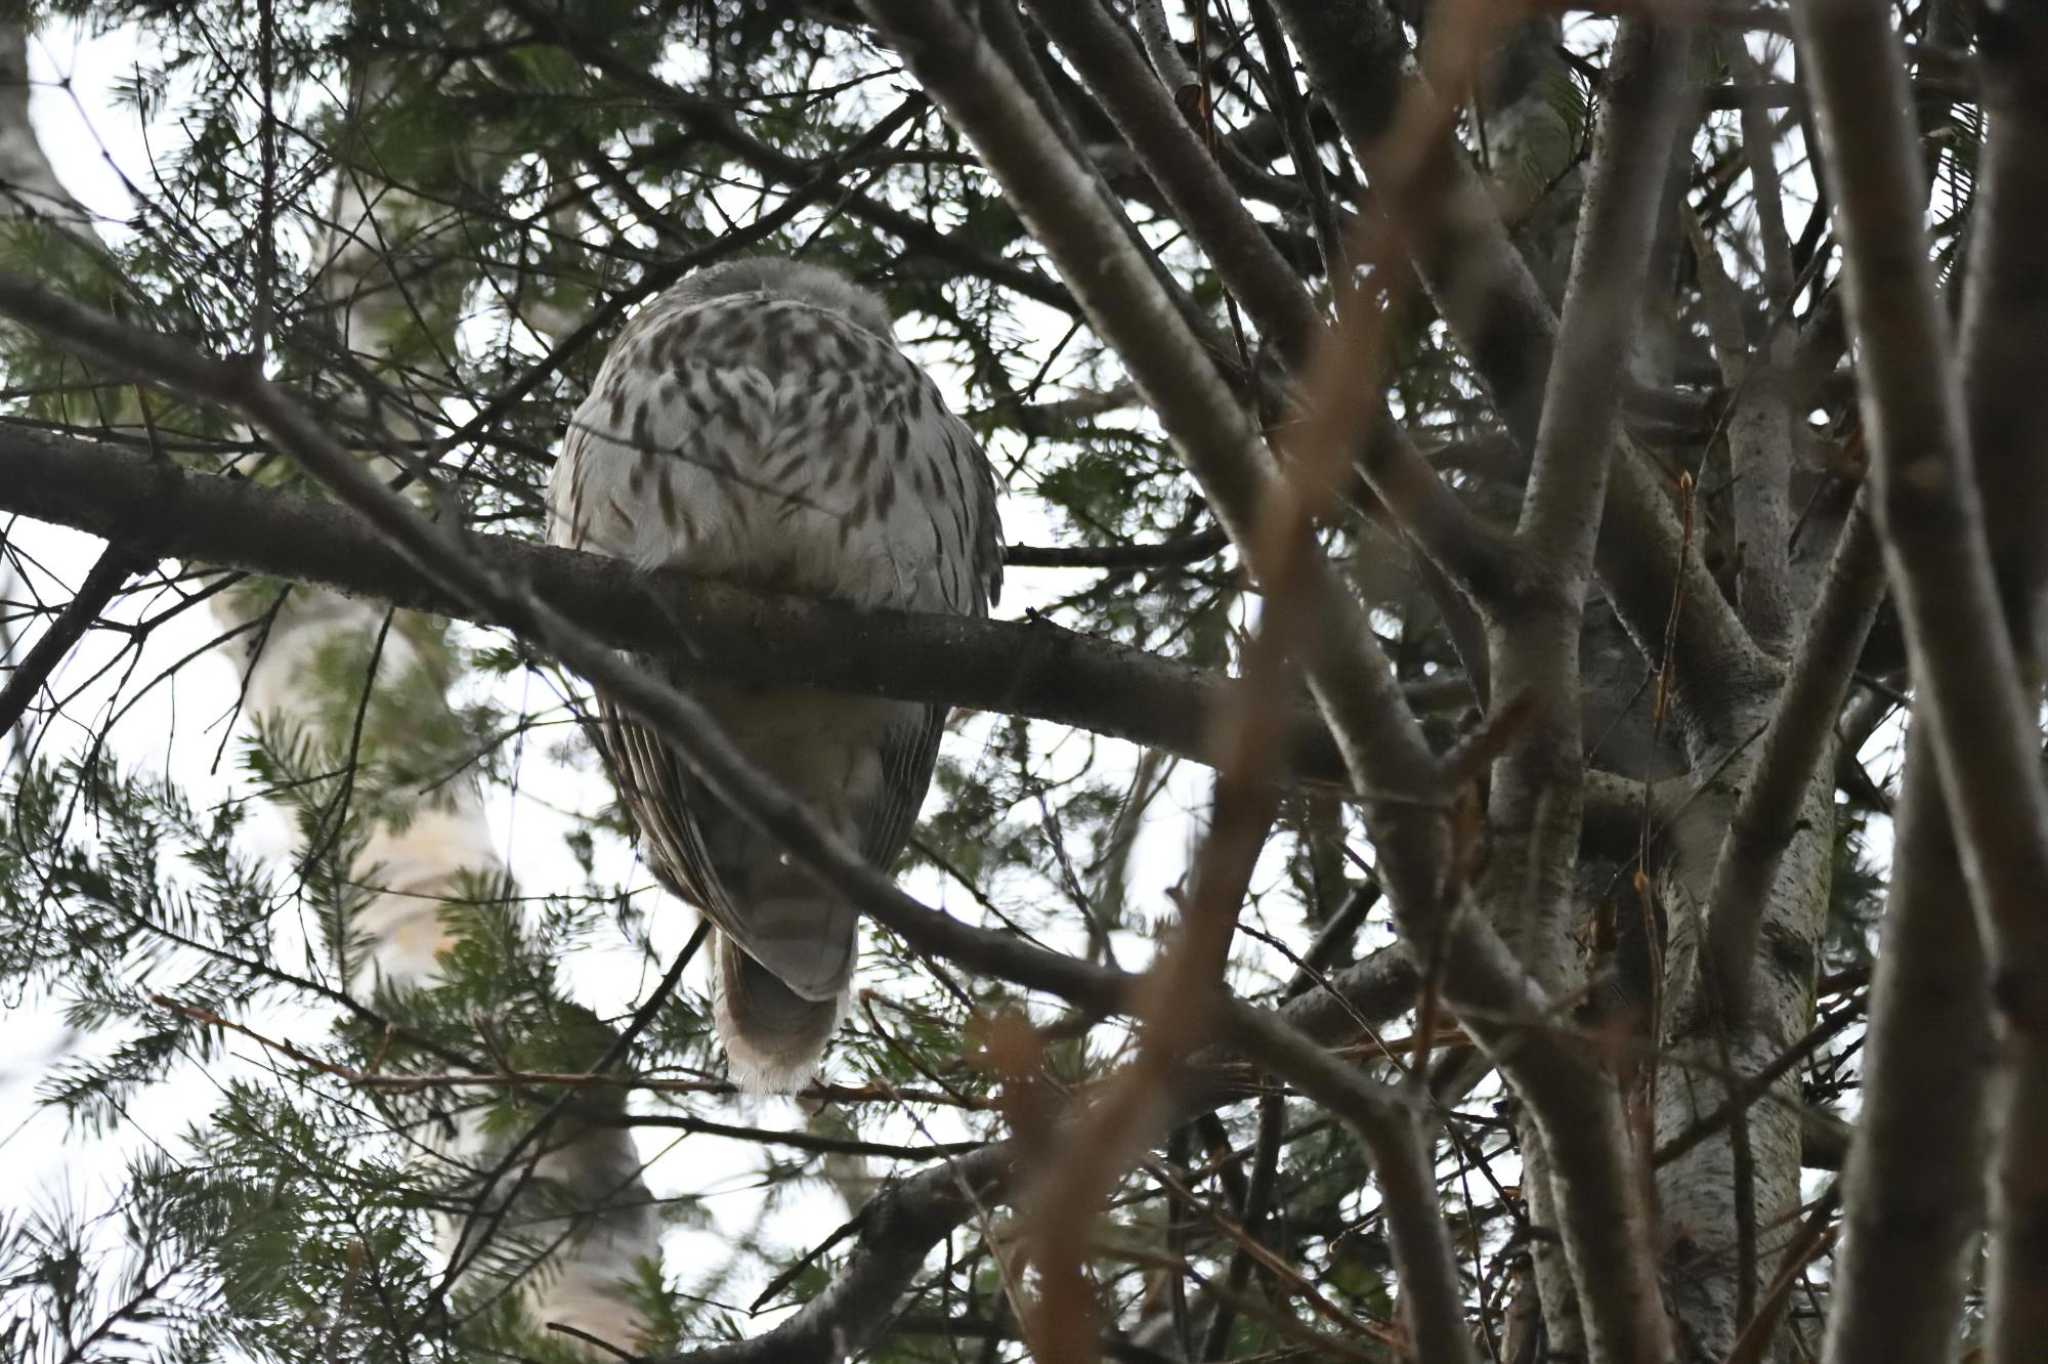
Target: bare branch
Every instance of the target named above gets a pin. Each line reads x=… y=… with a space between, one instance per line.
x=1930 y=512
x=1914 y=1193
x=1358 y=56
x=1187 y=549
x=2004 y=336
x=2005 y=323
x=895 y=1231
x=1801 y=729
x=1423 y=1256
x=116 y=564
x=1638 y=123
x=1263 y=283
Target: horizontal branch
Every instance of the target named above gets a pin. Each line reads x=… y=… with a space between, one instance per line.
x=1031 y=668
x=1175 y=553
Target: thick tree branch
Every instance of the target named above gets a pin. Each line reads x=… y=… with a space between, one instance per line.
x=1930 y=512
x=1424 y=1259
x=1801 y=729
x=1632 y=149
x=2005 y=323
x=1187 y=549
x=2004 y=336
x=1035 y=668
x=1914 y=1191
x=1534 y=809
x=1358 y=56
x=1759 y=426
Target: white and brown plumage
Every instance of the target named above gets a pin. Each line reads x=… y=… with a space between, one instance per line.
x=757 y=423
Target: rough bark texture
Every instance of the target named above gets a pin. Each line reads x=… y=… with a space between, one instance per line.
x=1697 y=1205
x=1915 y=1189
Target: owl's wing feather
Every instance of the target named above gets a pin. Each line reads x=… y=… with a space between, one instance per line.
x=644 y=771
x=980 y=479
x=910 y=753
x=706 y=853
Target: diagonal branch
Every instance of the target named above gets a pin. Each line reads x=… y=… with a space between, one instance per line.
x=116 y=564
x=1259 y=278
x=895 y=1231
x=1254 y=271
x=1801 y=728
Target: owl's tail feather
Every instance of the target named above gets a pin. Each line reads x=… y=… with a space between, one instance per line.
x=773 y=1036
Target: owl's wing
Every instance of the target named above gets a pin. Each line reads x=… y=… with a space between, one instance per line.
x=657 y=788
x=980 y=483
x=649 y=781
x=910 y=753
x=708 y=854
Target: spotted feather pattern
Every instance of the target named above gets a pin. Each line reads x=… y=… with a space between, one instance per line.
x=758 y=423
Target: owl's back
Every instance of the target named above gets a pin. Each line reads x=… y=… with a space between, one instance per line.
x=757 y=424
x=775 y=442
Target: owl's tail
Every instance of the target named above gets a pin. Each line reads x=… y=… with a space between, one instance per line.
x=773 y=1036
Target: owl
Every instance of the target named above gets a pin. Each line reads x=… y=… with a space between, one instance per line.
x=757 y=423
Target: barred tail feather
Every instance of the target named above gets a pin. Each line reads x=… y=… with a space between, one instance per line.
x=773 y=1036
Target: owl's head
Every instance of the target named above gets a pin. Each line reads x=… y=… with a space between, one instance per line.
x=780 y=277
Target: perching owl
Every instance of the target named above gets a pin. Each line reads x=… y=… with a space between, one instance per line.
x=757 y=423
